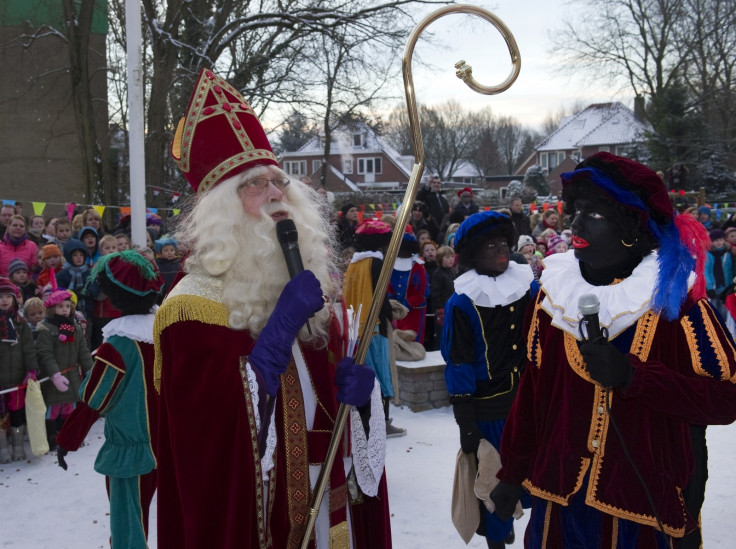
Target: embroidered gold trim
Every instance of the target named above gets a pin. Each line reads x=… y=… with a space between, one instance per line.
x=549 y=496
x=102 y=377
x=533 y=350
x=264 y=534
x=182 y=308
x=574 y=357
x=340 y=536
x=692 y=343
x=644 y=335
x=614 y=532
x=295 y=444
x=715 y=342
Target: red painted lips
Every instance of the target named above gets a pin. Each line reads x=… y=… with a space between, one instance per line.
x=578 y=242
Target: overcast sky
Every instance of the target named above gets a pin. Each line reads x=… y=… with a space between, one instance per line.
x=540 y=88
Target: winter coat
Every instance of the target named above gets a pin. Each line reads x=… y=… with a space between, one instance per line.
x=27 y=251
x=18 y=359
x=55 y=356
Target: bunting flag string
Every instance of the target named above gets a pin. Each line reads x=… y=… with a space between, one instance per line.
x=69 y=207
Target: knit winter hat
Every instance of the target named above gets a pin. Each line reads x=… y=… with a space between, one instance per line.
x=524 y=240
x=85 y=230
x=7 y=287
x=16 y=264
x=465 y=190
x=553 y=241
x=50 y=250
x=715 y=234
x=346 y=208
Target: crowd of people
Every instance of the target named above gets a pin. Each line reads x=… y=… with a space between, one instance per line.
x=230 y=363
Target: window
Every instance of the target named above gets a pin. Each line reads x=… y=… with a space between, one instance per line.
x=622 y=150
x=357 y=140
x=369 y=165
x=552 y=161
x=604 y=149
x=295 y=167
x=347 y=166
x=543 y=157
x=316 y=165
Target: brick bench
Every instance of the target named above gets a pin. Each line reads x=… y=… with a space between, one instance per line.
x=422 y=383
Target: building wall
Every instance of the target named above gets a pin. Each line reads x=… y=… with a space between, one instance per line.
x=41 y=159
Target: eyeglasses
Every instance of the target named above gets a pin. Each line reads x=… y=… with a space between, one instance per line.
x=259 y=184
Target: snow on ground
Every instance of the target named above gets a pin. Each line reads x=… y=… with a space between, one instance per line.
x=44 y=507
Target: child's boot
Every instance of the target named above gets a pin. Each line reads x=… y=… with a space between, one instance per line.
x=5 y=456
x=18 y=436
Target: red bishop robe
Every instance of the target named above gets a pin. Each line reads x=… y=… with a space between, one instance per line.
x=210 y=489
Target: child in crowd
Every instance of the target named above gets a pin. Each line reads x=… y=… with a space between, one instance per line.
x=441 y=285
x=428 y=252
x=18 y=274
x=90 y=239
x=103 y=311
x=718 y=270
x=33 y=313
x=542 y=246
x=35 y=229
x=168 y=261
x=17 y=363
x=50 y=260
x=108 y=245
x=526 y=247
x=62 y=350
x=63 y=232
x=120 y=388
x=556 y=245
x=73 y=276
x=123 y=242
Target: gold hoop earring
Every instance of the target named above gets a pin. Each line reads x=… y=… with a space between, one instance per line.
x=628 y=245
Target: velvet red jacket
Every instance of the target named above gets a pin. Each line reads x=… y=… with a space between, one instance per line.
x=559 y=429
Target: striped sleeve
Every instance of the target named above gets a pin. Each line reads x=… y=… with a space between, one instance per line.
x=100 y=385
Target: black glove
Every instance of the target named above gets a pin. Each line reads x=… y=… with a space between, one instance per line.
x=606 y=364
x=505 y=496
x=470 y=435
x=711 y=293
x=60 y=453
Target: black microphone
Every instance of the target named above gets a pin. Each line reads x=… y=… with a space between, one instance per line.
x=289 y=240
x=589 y=307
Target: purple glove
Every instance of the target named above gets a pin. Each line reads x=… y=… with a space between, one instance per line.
x=354 y=382
x=60 y=382
x=301 y=298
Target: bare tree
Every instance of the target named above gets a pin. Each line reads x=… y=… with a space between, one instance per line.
x=260 y=47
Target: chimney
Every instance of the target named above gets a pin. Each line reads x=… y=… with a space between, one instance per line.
x=639 y=112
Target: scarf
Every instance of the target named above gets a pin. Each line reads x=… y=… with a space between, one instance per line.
x=65 y=324
x=15 y=241
x=76 y=282
x=718 y=267
x=7 y=328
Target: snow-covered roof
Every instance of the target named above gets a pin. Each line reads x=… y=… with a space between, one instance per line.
x=342 y=144
x=599 y=124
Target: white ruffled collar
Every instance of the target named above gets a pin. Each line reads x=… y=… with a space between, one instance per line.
x=622 y=304
x=135 y=327
x=487 y=291
x=358 y=256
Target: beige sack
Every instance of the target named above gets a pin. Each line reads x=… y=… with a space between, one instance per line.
x=465 y=508
x=36 y=418
x=405 y=347
x=489 y=463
